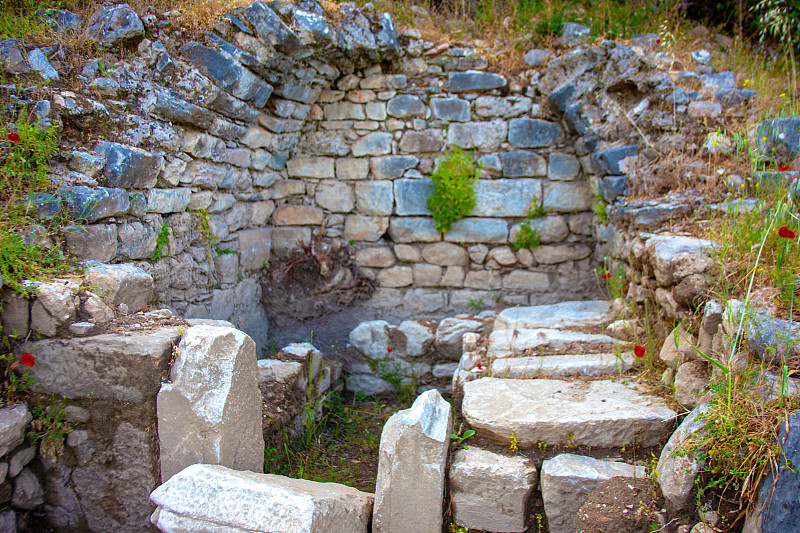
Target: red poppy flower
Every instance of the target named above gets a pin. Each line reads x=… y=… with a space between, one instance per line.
x=13 y=137
x=480 y=367
x=638 y=351
x=388 y=350
x=786 y=233
x=27 y=359
x=783 y=168
x=605 y=276
x=658 y=41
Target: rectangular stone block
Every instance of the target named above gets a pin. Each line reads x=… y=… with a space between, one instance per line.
x=365 y=228
x=286 y=240
x=297 y=215
x=105 y=367
x=506 y=197
x=472 y=230
x=413 y=229
x=411 y=196
x=352 y=169
x=374 y=197
x=311 y=167
x=254 y=248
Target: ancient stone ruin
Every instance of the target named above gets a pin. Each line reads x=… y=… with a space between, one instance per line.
x=270 y=179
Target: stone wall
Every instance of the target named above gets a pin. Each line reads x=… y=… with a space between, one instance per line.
x=281 y=127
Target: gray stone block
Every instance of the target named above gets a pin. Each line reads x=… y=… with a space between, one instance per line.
x=12 y=57
x=534 y=133
x=472 y=230
x=97 y=242
x=115 y=25
x=391 y=166
x=506 y=197
x=405 y=106
x=484 y=136
x=129 y=167
x=270 y=28
x=407 y=230
x=84 y=203
x=610 y=158
x=563 y=167
x=523 y=163
x=378 y=143
x=451 y=109
x=168 y=200
x=411 y=196
x=567 y=197
x=475 y=81
x=374 y=197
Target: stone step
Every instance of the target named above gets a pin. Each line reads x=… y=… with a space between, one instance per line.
x=603 y=414
x=523 y=342
x=561 y=315
x=592 y=365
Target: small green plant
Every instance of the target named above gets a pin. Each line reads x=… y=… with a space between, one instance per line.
x=461 y=438
x=513 y=443
x=599 y=208
x=542 y=445
x=453 y=193
x=528 y=237
x=49 y=428
x=162 y=241
x=456 y=528
x=477 y=304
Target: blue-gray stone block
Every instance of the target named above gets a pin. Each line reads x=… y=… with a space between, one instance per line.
x=534 y=133
x=475 y=81
x=85 y=203
x=405 y=106
x=59 y=20
x=391 y=166
x=44 y=205
x=783 y=138
x=114 y=25
x=523 y=163
x=451 y=109
x=270 y=27
x=610 y=158
x=129 y=167
x=612 y=187
x=411 y=196
x=170 y=105
x=506 y=197
x=413 y=229
x=573 y=33
x=469 y=230
x=714 y=82
x=562 y=97
x=563 y=167
x=587 y=144
x=779 y=496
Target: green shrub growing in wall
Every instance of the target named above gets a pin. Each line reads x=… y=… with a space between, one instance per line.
x=453 y=186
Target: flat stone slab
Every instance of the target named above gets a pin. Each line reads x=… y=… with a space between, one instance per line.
x=564 y=314
x=520 y=342
x=602 y=414
x=568 y=479
x=216 y=498
x=593 y=364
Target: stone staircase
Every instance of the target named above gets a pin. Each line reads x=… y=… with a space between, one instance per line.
x=548 y=376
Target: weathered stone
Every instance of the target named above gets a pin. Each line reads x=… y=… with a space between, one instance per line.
x=593 y=365
x=212 y=496
x=38 y=62
x=85 y=203
x=365 y=228
x=563 y=167
x=411 y=467
x=335 y=196
x=551 y=254
x=508 y=342
x=55 y=305
x=421 y=141
x=121 y=284
x=384 y=81
x=526 y=281
x=568 y=479
x=391 y=166
x=368 y=384
x=168 y=200
x=449 y=335
x=471 y=230
x=535 y=57
x=778 y=137
x=704 y=109
x=378 y=143
x=115 y=25
x=506 y=197
x=12 y=57
x=411 y=196
x=405 y=230
x=13 y=421
x=297 y=215
x=310 y=167
x=573 y=34
x=475 y=81
x=444 y=254
x=598 y=413
x=97 y=310
x=567 y=197
x=374 y=197
x=20 y=459
x=523 y=163
x=677 y=256
x=271 y=29
x=676 y=472
x=504 y=107
x=375 y=257
x=451 y=109
x=484 y=136
x=490 y=491
x=396 y=276
x=534 y=133
x=254 y=248
x=550 y=229
x=405 y=106
x=28 y=492
x=220 y=424
x=353 y=169
x=691 y=381
x=419 y=338
x=129 y=167
x=109 y=366
x=16 y=315
x=96 y=242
